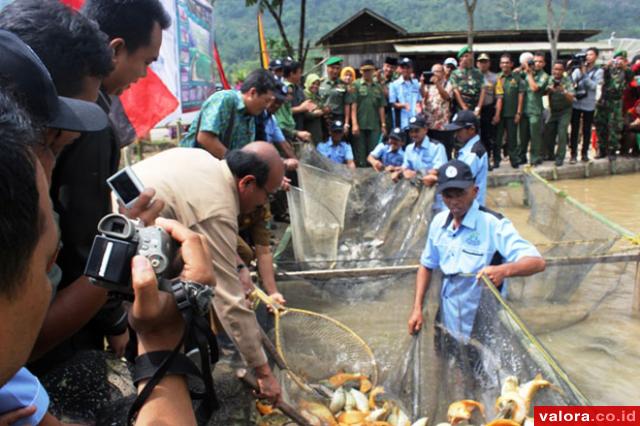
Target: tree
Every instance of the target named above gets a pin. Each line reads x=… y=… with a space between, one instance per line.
x=511 y=10
x=554 y=25
x=275 y=7
x=470 y=6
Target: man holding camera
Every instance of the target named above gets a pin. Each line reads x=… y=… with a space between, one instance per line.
x=29 y=246
x=586 y=76
x=608 y=118
x=561 y=96
x=537 y=81
x=207 y=195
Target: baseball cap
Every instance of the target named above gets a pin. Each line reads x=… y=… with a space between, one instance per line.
x=337 y=126
x=454 y=174
x=418 y=122
x=406 y=62
x=462 y=119
x=281 y=92
x=483 y=57
x=451 y=61
x=275 y=64
x=33 y=84
x=396 y=134
x=620 y=52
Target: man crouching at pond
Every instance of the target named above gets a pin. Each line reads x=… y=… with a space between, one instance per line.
x=465 y=242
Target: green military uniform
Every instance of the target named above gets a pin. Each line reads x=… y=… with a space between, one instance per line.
x=531 y=121
x=369 y=98
x=509 y=88
x=558 y=124
x=469 y=82
x=608 y=118
x=335 y=94
x=284 y=116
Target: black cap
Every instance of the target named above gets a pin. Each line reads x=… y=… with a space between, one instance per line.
x=391 y=61
x=406 y=62
x=396 y=134
x=337 y=126
x=455 y=174
x=418 y=122
x=33 y=84
x=281 y=92
x=462 y=119
x=276 y=64
x=367 y=64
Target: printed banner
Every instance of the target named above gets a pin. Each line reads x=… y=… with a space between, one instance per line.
x=195 y=35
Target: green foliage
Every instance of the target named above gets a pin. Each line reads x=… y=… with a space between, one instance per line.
x=237 y=28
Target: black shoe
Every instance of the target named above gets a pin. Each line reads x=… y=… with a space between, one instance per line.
x=559 y=163
x=496 y=165
x=573 y=160
x=612 y=157
x=538 y=162
x=585 y=158
x=515 y=165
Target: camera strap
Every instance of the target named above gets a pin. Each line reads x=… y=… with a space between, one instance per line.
x=154 y=366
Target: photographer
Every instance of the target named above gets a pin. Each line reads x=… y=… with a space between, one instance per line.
x=561 y=96
x=586 y=76
x=28 y=248
x=437 y=93
x=537 y=81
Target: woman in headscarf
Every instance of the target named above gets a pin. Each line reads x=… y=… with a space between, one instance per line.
x=313 y=119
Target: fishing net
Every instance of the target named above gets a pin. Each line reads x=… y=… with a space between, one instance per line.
x=589 y=263
x=352 y=217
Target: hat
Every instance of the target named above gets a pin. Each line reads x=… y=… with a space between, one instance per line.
x=275 y=64
x=620 y=52
x=32 y=82
x=462 y=119
x=418 y=122
x=406 y=62
x=391 y=61
x=462 y=51
x=281 y=92
x=451 y=61
x=484 y=57
x=396 y=134
x=454 y=174
x=337 y=126
x=367 y=65
x=334 y=60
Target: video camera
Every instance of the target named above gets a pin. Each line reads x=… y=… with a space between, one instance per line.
x=109 y=263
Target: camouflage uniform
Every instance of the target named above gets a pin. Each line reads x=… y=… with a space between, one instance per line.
x=558 y=124
x=608 y=118
x=469 y=82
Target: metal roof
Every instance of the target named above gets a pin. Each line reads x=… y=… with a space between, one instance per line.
x=497 y=47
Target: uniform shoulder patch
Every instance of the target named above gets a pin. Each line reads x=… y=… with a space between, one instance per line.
x=478 y=149
x=491 y=212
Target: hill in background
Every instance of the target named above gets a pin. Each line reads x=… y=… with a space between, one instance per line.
x=237 y=35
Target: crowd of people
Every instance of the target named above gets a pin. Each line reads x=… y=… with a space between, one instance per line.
x=515 y=122
x=216 y=194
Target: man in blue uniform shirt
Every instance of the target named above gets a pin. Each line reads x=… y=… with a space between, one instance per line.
x=335 y=148
x=469 y=148
x=404 y=93
x=465 y=242
x=424 y=155
x=388 y=157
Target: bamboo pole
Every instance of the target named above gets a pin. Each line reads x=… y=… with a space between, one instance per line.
x=635 y=304
x=389 y=270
